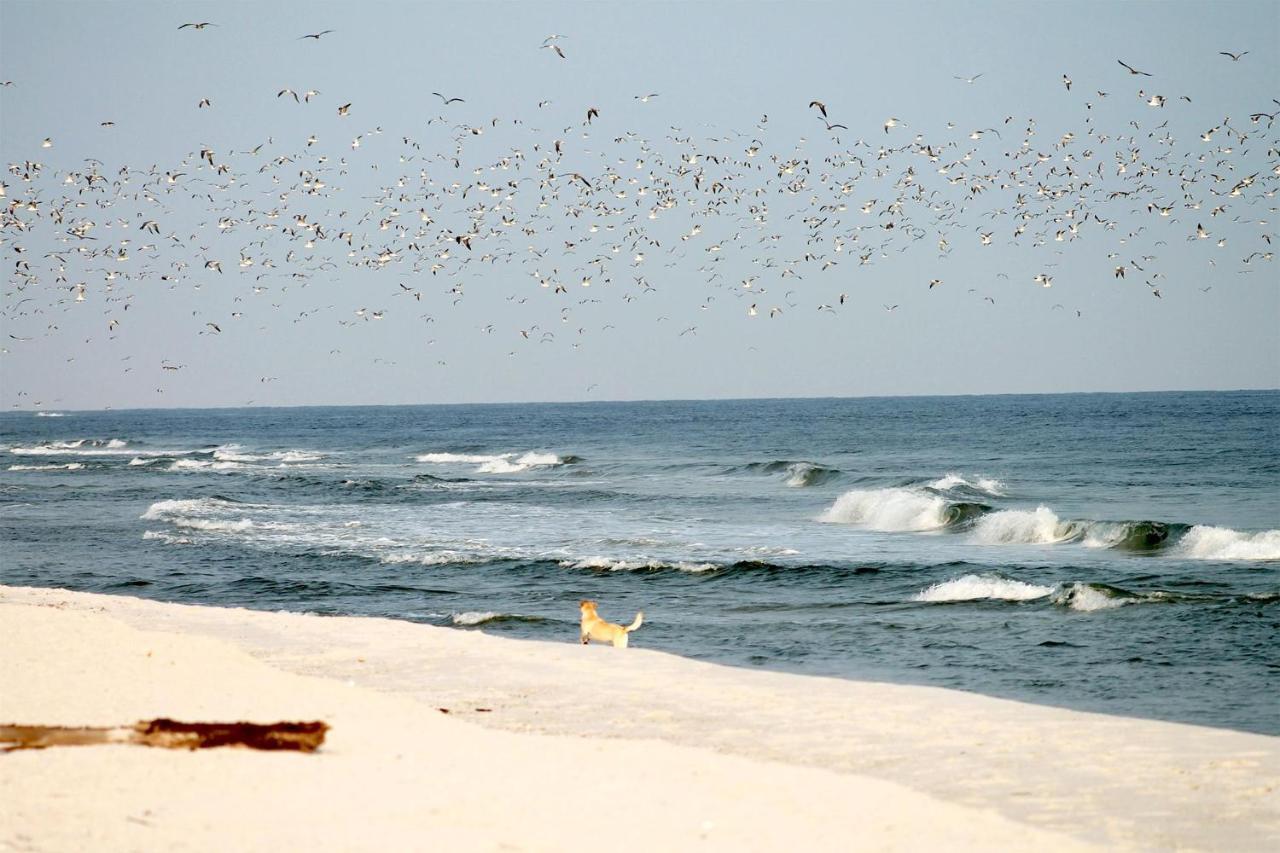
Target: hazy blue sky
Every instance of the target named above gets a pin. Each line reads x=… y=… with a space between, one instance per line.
x=686 y=330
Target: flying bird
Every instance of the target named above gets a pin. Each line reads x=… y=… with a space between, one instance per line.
x=822 y=108
x=315 y=36
x=1235 y=57
x=203 y=24
x=969 y=80
x=448 y=101
x=1131 y=69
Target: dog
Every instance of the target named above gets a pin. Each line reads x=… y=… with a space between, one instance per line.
x=595 y=628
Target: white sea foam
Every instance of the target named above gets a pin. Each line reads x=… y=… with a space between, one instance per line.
x=474 y=617
x=989 y=485
x=138 y=460
x=437 y=558
x=70 y=466
x=500 y=463
x=49 y=414
x=1019 y=526
x=888 y=509
x=204 y=465
x=83 y=447
x=167 y=538
x=163 y=510
x=212 y=525
x=446 y=458
x=1203 y=542
x=973 y=587
x=612 y=565
x=235 y=453
x=1085 y=598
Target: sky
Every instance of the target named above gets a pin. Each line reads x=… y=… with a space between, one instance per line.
x=789 y=284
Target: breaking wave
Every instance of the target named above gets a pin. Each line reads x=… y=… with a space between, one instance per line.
x=472 y=618
x=974 y=587
x=607 y=564
x=899 y=509
x=70 y=466
x=987 y=485
x=93 y=447
x=498 y=463
x=1222 y=543
x=1020 y=526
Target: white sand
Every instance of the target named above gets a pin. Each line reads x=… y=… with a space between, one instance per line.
x=583 y=748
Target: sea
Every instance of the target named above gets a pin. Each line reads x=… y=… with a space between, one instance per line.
x=1117 y=553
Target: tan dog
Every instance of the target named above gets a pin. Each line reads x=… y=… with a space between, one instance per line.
x=595 y=628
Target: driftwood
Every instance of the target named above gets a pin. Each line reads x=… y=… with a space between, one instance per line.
x=170 y=734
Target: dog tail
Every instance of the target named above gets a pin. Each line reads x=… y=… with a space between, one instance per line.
x=636 y=624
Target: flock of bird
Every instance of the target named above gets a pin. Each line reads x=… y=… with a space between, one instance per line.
x=611 y=210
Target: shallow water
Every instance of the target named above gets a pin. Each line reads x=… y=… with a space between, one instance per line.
x=1111 y=552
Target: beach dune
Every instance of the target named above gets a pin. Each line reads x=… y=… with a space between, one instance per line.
x=447 y=739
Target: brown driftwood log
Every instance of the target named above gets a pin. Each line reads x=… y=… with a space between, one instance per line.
x=170 y=734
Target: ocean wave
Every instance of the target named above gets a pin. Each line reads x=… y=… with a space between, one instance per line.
x=974 y=587
x=164 y=510
x=899 y=510
x=1222 y=543
x=93 y=447
x=805 y=474
x=204 y=465
x=235 y=453
x=49 y=415
x=1020 y=526
x=70 y=466
x=1088 y=597
x=987 y=485
x=472 y=618
x=436 y=558
x=612 y=565
x=499 y=463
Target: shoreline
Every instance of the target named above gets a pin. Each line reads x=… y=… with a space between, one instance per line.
x=579 y=745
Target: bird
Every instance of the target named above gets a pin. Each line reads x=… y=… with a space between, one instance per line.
x=204 y=102
x=969 y=80
x=203 y=24
x=315 y=36
x=448 y=101
x=834 y=126
x=934 y=283
x=345 y=109
x=556 y=48
x=1235 y=57
x=892 y=122
x=644 y=99
x=1131 y=69
x=1066 y=81
x=822 y=108
x=592 y=112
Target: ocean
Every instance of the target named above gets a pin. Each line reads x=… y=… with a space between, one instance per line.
x=1107 y=552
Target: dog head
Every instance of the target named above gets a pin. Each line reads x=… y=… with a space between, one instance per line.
x=587 y=607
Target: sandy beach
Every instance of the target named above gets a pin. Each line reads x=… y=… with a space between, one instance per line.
x=553 y=746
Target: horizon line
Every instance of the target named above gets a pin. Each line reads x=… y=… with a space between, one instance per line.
x=15 y=411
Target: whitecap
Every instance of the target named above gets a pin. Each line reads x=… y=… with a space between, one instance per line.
x=974 y=587
x=888 y=509
x=70 y=466
x=1018 y=526
x=474 y=617
x=1087 y=598
x=1204 y=542
x=989 y=485
x=612 y=565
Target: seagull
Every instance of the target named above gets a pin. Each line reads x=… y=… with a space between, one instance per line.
x=1131 y=69
x=822 y=108
x=644 y=99
x=969 y=80
x=1066 y=81
x=448 y=101
x=344 y=109
x=890 y=307
x=1235 y=57
x=315 y=36
x=203 y=24
x=204 y=102
x=834 y=126
x=556 y=48
x=893 y=122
